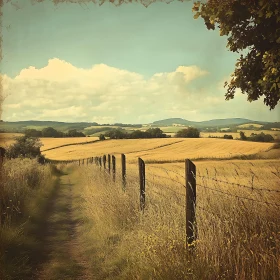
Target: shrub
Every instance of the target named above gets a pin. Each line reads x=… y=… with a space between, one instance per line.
x=190 y=132
x=228 y=136
x=25 y=147
x=242 y=135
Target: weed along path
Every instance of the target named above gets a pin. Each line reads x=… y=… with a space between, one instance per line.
x=64 y=259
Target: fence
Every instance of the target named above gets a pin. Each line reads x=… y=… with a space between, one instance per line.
x=108 y=163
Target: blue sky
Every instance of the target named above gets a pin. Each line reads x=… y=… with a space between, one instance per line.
x=156 y=62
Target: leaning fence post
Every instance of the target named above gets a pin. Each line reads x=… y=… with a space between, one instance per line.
x=109 y=163
x=190 y=170
x=141 y=164
x=114 y=167
x=104 y=161
x=123 y=171
x=100 y=162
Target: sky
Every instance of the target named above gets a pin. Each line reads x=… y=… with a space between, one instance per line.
x=130 y=64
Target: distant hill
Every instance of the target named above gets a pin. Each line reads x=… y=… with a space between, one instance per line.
x=210 y=123
x=39 y=125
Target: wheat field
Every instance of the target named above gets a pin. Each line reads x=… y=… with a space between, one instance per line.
x=161 y=149
x=7 y=139
x=237 y=238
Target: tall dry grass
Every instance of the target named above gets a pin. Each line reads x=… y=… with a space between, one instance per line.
x=237 y=239
x=24 y=189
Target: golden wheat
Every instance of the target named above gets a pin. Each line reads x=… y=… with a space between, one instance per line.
x=237 y=239
x=161 y=149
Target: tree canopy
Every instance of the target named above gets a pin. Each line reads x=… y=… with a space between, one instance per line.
x=190 y=132
x=25 y=146
x=253 y=30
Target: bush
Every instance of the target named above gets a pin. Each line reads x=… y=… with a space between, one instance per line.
x=102 y=137
x=25 y=147
x=190 y=132
x=242 y=135
x=261 y=137
x=228 y=136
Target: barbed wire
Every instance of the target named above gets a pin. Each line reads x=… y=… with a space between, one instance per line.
x=252 y=188
x=239 y=197
x=168 y=170
x=168 y=178
x=166 y=187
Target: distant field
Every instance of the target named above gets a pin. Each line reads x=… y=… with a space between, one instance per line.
x=106 y=147
x=250 y=124
x=231 y=171
x=170 y=149
x=50 y=143
x=275 y=134
x=7 y=139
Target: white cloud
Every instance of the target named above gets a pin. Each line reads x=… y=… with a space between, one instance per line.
x=63 y=92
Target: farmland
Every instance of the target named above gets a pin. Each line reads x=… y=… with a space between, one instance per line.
x=90 y=219
x=171 y=149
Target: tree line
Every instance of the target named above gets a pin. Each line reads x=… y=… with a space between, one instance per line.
x=136 y=134
x=119 y=133
x=51 y=132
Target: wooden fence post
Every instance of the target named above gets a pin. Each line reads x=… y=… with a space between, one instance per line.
x=83 y=161
x=114 y=167
x=79 y=163
x=109 y=163
x=141 y=164
x=104 y=161
x=123 y=171
x=87 y=161
x=190 y=170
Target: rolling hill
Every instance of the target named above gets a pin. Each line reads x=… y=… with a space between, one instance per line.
x=209 y=123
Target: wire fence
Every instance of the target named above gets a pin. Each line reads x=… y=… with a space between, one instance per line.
x=183 y=188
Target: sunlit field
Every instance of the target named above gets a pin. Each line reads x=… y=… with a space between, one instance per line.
x=236 y=135
x=161 y=149
x=50 y=143
x=250 y=124
x=7 y=139
x=237 y=222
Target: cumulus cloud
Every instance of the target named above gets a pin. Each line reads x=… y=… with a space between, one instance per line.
x=60 y=91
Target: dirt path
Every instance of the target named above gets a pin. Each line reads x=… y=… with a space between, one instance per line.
x=64 y=259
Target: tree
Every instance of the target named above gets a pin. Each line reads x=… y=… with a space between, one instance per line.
x=27 y=147
x=155 y=133
x=33 y=133
x=189 y=132
x=102 y=137
x=242 y=135
x=226 y=136
x=253 y=28
x=49 y=132
x=75 y=133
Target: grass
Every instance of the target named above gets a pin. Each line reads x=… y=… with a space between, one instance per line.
x=237 y=239
x=25 y=189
